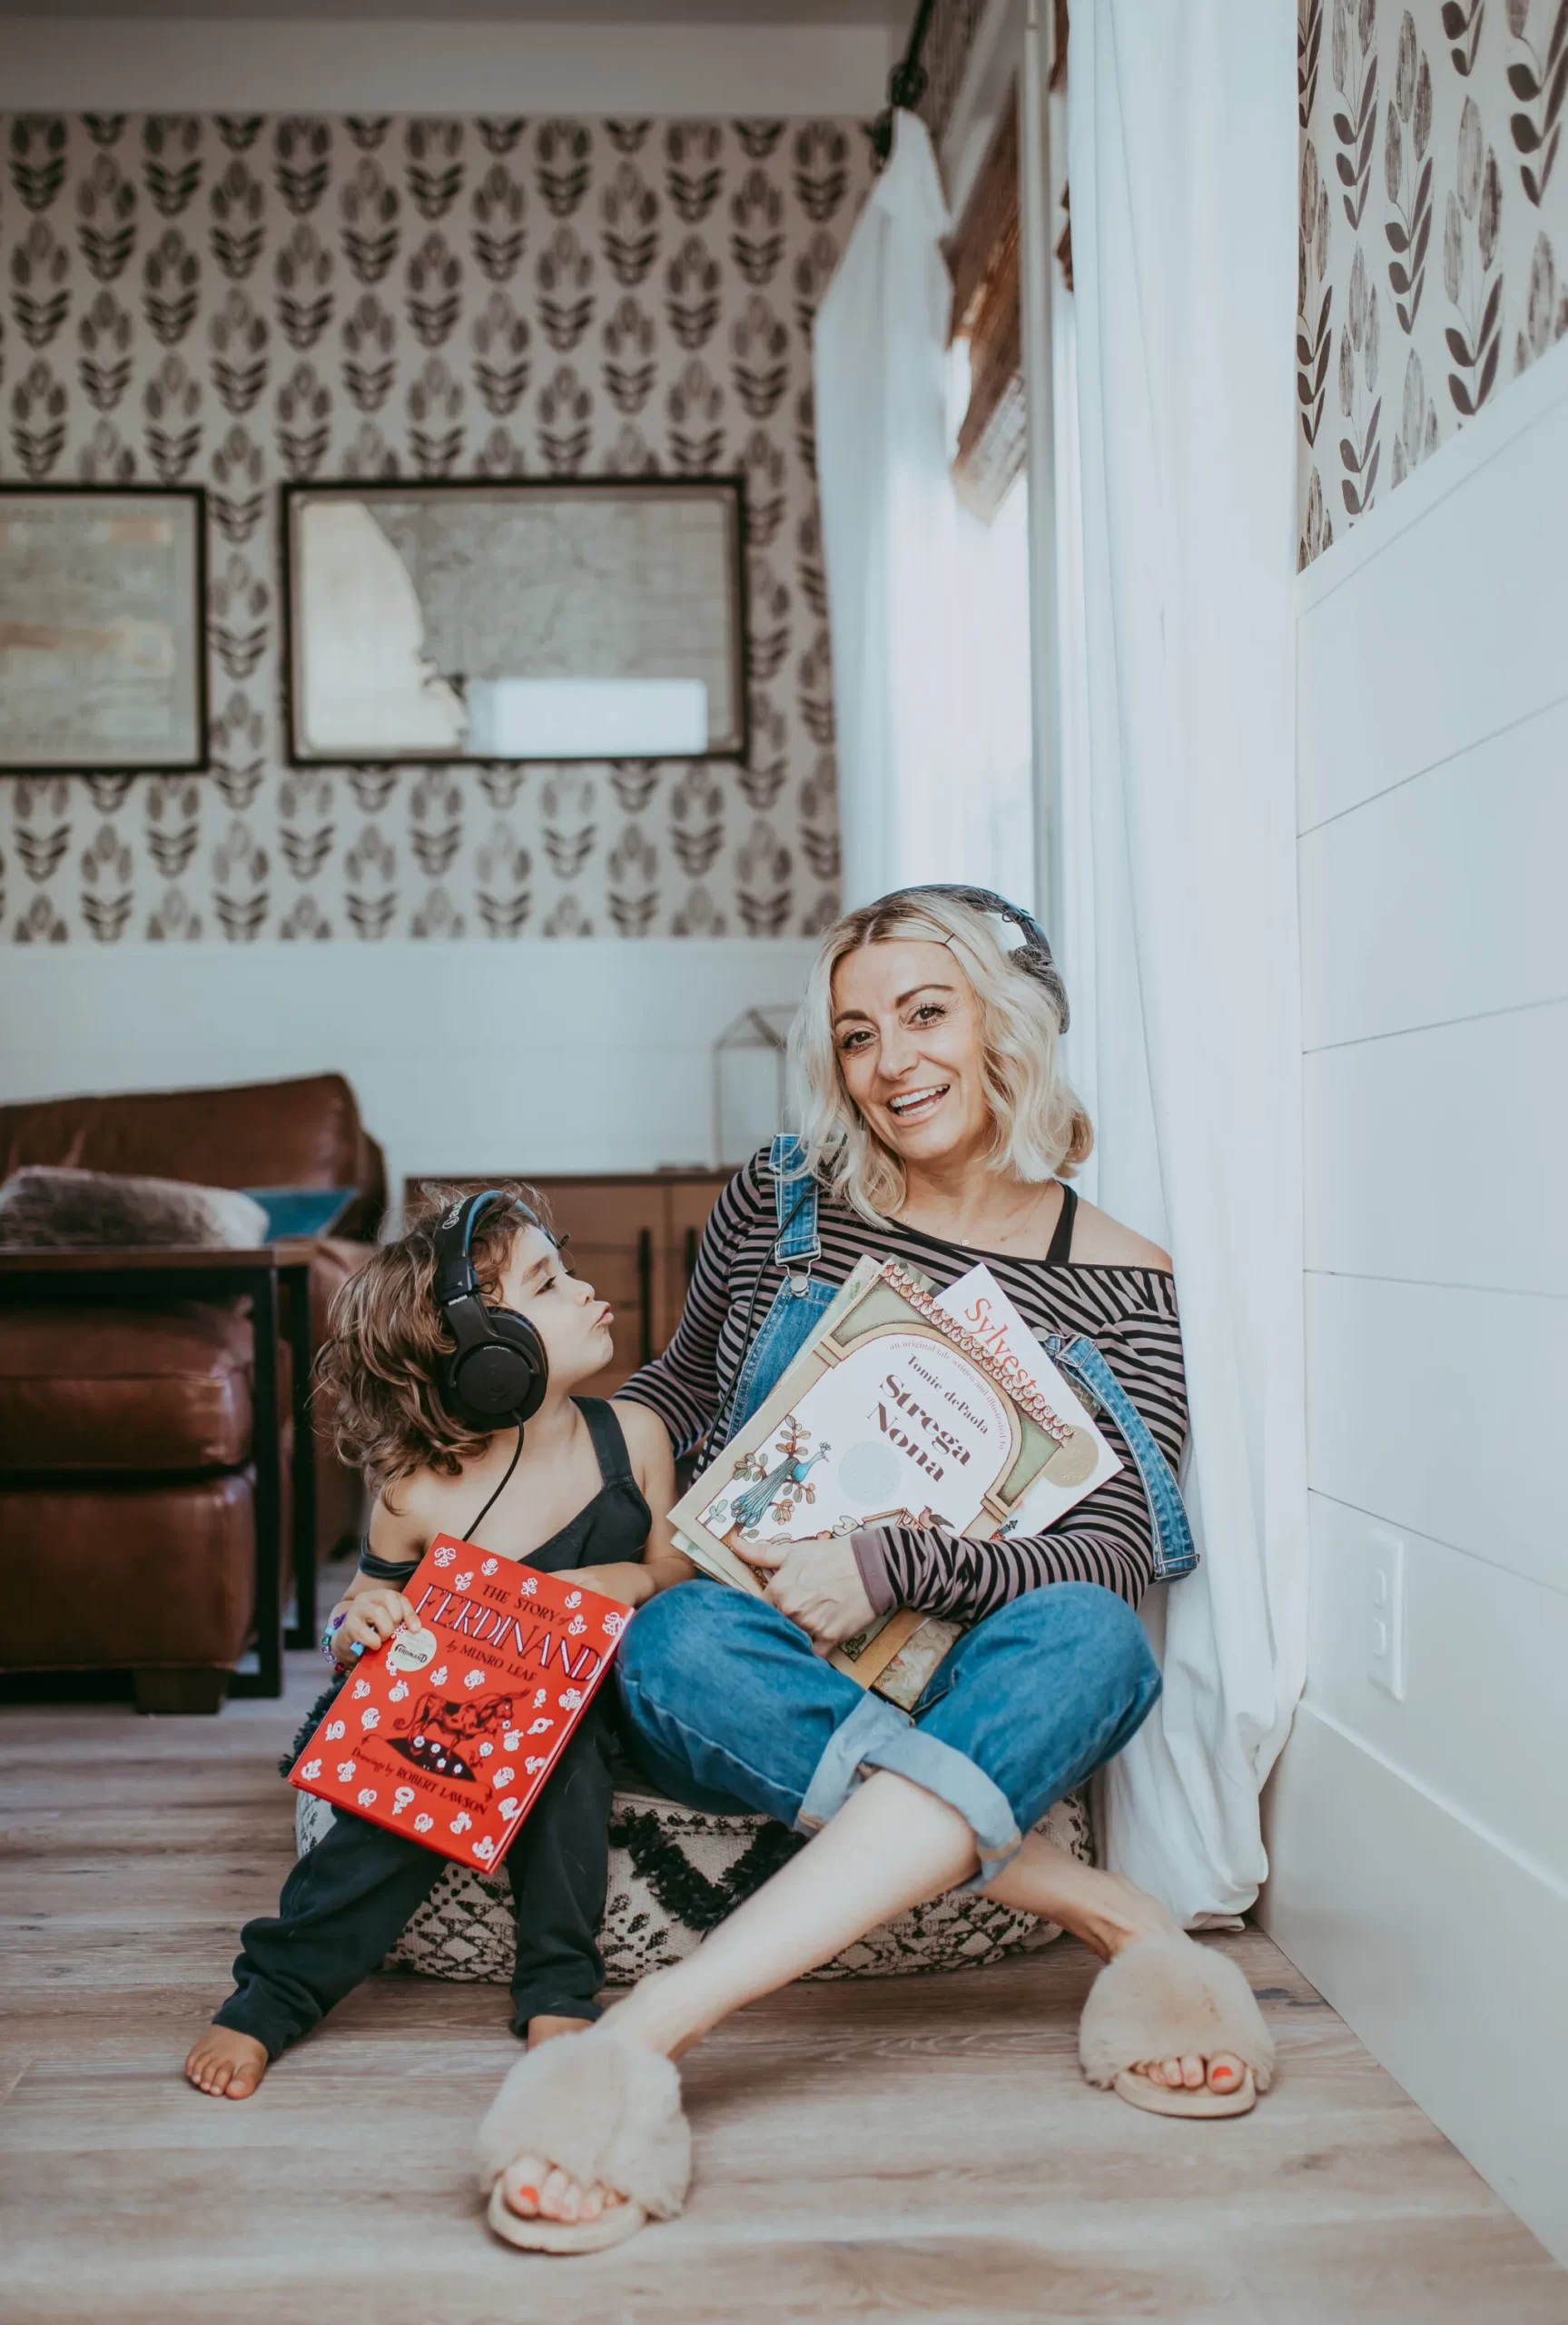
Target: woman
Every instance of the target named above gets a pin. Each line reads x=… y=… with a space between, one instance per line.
x=936 y=1126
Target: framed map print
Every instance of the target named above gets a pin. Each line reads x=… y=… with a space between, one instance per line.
x=102 y=652
x=533 y=619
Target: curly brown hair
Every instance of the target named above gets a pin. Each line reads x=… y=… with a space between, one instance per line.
x=380 y=1370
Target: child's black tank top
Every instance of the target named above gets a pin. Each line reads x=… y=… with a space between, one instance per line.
x=612 y=1526
x=607 y=1530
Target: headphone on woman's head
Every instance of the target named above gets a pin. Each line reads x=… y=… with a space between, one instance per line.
x=497 y=1371
x=1021 y=936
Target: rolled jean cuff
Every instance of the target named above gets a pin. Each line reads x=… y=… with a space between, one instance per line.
x=275 y=2036
x=876 y=1735
x=549 y=2002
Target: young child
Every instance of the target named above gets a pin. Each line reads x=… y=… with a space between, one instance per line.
x=589 y=1491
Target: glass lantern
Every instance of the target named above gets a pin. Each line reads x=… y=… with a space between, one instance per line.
x=750 y=1089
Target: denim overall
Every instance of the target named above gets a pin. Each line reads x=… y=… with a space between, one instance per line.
x=731 y=1708
x=801 y=1303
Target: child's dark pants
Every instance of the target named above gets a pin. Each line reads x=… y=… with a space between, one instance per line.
x=345 y=1906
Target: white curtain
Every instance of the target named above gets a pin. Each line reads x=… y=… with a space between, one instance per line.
x=889 y=522
x=1181 y=160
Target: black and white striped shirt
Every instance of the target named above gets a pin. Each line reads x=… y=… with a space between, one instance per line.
x=1129 y=1312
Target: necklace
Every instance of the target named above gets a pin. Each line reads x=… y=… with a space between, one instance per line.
x=996 y=1238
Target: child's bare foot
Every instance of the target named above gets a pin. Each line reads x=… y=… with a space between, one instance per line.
x=545 y=2028
x=227 y=2065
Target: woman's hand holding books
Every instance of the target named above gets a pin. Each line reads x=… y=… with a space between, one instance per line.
x=816 y=1583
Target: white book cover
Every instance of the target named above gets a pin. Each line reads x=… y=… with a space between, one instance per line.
x=909 y=1408
x=978 y=1303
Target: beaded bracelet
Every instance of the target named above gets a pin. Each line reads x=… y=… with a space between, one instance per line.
x=330 y=1637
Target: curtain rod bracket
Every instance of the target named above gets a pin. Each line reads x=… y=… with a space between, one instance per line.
x=906 y=84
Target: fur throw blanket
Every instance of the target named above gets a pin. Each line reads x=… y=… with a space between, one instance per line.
x=45 y=1208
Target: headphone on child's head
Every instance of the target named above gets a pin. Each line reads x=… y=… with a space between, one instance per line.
x=497 y=1371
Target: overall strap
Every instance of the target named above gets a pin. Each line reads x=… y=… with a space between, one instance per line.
x=794 y=1200
x=1175 y=1553
x=609 y=1441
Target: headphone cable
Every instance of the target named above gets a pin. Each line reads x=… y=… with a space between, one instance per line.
x=472 y=1533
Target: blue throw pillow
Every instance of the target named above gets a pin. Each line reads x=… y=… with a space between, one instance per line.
x=302 y=1210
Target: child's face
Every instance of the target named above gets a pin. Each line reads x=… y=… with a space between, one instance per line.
x=573 y=1326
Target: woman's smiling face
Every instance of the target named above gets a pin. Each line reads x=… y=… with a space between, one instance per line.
x=907 y=1033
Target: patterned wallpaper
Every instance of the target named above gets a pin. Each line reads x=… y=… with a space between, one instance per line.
x=237 y=301
x=1433 y=254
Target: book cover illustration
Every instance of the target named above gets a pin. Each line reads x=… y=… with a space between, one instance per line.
x=910 y=1408
x=981 y=1309
x=450 y=1732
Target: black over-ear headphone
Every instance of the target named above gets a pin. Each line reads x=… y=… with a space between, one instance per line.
x=498 y=1372
x=1031 y=946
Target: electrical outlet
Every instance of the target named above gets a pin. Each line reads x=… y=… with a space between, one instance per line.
x=1386 y=1613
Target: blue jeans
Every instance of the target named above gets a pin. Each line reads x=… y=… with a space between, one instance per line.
x=730 y=1709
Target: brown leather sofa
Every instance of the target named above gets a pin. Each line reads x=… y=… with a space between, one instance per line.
x=126 y=1535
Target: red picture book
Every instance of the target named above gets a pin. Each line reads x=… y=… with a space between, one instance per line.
x=449 y=1733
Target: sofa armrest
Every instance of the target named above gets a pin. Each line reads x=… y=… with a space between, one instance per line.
x=364 y=1217
x=333 y=1259
x=339 y=1490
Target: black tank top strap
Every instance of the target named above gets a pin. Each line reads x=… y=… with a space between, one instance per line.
x=610 y=1440
x=1060 y=1252
x=612 y=1525
x=380 y=1569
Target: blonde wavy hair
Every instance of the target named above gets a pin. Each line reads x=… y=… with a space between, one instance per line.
x=1038 y=1128
x=379 y=1373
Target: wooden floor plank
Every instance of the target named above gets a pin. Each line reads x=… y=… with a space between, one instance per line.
x=918 y=2148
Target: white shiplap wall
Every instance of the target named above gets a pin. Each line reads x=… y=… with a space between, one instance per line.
x=1420 y=1847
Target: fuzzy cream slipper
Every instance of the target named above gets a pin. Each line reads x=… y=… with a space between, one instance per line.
x=1161 y=1999
x=601 y=2108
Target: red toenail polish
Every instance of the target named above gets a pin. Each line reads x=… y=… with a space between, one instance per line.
x=531 y=2195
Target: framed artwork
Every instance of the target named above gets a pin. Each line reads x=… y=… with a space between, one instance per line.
x=534 y=618
x=103 y=629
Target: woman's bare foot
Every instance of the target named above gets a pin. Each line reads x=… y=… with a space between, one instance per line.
x=1109 y=1913
x=1223 y=2072
x=1141 y=1916
x=536 y=2190
x=227 y=2065
x=1116 y=1914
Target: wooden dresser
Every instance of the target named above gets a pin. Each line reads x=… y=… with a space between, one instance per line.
x=635 y=1237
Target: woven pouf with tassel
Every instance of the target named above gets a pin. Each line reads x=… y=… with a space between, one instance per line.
x=676 y=1874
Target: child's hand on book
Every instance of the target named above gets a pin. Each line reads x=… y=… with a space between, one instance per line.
x=816 y=1583
x=373 y=1616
